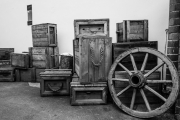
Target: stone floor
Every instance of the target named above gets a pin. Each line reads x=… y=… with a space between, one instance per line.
x=19 y=101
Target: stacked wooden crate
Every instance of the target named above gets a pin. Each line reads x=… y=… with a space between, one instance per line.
x=92 y=60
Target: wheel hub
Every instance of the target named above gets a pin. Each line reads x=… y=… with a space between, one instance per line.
x=137 y=80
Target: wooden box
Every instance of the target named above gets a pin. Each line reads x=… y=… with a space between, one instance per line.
x=91 y=27
x=20 y=60
x=37 y=74
x=7 y=74
x=44 y=35
x=5 y=59
x=25 y=75
x=92 y=58
x=132 y=30
x=87 y=94
x=119 y=48
x=55 y=82
x=44 y=57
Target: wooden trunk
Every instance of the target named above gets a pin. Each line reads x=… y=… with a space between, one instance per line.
x=132 y=30
x=44 y=35
x=7 y=74
x=91 y=27
x=5 y=58
x=44 y=57
x=37 y=74
x=25 y=75
x=55 y=82
x=119 y=48
x=20 y=60
x=92 y=58
x=87 y=94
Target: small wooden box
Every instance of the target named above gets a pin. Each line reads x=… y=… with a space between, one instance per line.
x=91 y=27
x=44 y=35
x=119 y=48
x=20 y=60
x=5 y=59
x=55 y=82
x=88 y=94
x=7 y=74
x=25 y=75
x=37 y=74
x=92 y=58
x=44 y=57
x=132 y=30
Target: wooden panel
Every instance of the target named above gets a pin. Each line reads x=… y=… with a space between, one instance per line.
x=37 y=74
x=25 y=75
x=20 y=60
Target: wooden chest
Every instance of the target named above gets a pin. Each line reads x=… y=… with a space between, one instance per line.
x=119 y=48
x=87 y=94
x=5 y=57
x=91 y=27
x=55 y=82
x=20 y=60
x=25 y=75
x=37 y=74
x=132 y=30
x=44 y=35
x=92 y=58
x=44 y=57
x=7 y=74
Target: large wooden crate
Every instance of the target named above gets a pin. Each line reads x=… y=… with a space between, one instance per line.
x=44 y=57
x=20 y=60
x=25 y=75
x=92 y=58
x=91 y=27
x=5 y=60
x=44 y=35
x=119 y=48
x=132 y=30
x=6 y=74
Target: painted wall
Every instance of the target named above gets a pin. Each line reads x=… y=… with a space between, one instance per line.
x=15 y=33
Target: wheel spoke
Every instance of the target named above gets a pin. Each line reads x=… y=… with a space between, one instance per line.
x=130 y=73
x=156 y=93
x=133 y=63
x=159 y=81
x=121 y=80
x=145 y=61
x=154 y=69
x=122 y=91
x=133 y=99
x=145 y=100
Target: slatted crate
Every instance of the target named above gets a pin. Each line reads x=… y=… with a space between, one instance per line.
x=119 y=48
x=44 y=35
x=92 y=58
x=5 y=60
x=20 y=60
x=6 y=74
x=132 y=30
x=91 y=27
x=25 y=75
x=44 y=57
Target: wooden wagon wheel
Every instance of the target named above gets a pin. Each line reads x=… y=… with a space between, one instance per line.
x=138 y=82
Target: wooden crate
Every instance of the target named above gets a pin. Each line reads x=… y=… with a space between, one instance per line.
x=44 y=57
x=92 y=58
x=20 y=60
x=132 y=30
x=5 y=59
x=91 y=27
x=87 y=94
x=7 y=74
x=119 y=48
x=44 y=35
x=55 y=82
x=25 y=75
x=37 y=74
x=126 y=97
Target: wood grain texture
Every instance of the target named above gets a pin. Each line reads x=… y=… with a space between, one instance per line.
x=20 y=60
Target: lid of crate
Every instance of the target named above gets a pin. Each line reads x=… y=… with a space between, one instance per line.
x=56 y=72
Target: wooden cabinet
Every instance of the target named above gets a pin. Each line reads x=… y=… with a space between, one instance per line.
x=44 y=35
x=92 y=58
x=20 y=60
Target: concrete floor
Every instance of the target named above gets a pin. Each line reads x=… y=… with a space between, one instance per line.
x=19 y=101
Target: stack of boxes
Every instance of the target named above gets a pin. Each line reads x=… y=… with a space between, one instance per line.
x=92 y=49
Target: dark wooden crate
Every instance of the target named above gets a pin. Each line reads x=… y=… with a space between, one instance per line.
x=91 y=27
x=20 y=60
x=7 y=74
x=37 y=74
x=55 y=82
x=92 y=58
x=88 y=94
x=44 y=57
x=44 y=35
x=119 y=48
x=25 y=75
x=66 y=62
x=132 y=30
x=5 y=58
